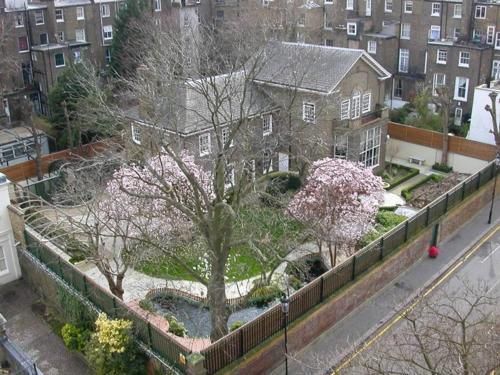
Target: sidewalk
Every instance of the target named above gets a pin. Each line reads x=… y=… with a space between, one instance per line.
x=335 y=343
x=30 y=333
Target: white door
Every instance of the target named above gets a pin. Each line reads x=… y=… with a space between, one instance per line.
x=283 y=162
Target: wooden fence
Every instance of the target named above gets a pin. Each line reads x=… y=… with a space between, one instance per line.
x=242 y=340
x=429 y=138
x=186 y=295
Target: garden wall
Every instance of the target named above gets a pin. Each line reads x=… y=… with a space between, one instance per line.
x=334 y=309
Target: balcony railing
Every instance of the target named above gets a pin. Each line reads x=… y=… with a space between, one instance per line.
x=362 y=121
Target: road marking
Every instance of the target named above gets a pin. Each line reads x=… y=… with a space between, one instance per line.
x=397 y=318
x=490 y=254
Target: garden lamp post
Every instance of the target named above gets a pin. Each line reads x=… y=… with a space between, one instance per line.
x=285 y=308
x=495 y=172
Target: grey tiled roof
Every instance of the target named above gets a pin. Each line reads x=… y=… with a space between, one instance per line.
x=309 y=67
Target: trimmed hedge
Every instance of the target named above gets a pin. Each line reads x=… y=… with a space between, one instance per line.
x=442 y=168
x=407 y=193
x=412 y=173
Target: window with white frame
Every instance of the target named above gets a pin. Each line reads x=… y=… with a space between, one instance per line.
x=441 y=56
x=345 y=108
x=39 y=17
x=457 y=120
x=464 y=59
x=398 y=88
x=461 y=88
x=60 y=36
x=495 y=69
x=356 y=105
x=352 y=28
x=22 y=43
x=107 y=55
x=404 y=60
x=436 y=9
x=329 y=42
x=366 y=102
x=438 y=80
x=59 y=15
x=229 y=176
x=136 y=134
x=309 y=112
x=77 y=56
x=480 y=12
x=388 y=6
x=349 y=4
x=105 y=12
x=19 y=22
x=267 y=124
x=80 y=13
x=435 y=32
x=477 y=34
x=408 y=6
x=80 y=35
x=59 y=60
x=107 y=32
x=204 y=144
x=497 y=40
x=368 y=8
x=490 y=34
x=370 y=147
x=456 y=33
x=405 y=31
x=3 y=261
x=44 y=39
x=301 y=21
x=372 y=46
x=457 y=11
x=267 y=161
x=157 y=5
x=328 y=1
x=341 y=146
x=225 y=134
x=328 y=25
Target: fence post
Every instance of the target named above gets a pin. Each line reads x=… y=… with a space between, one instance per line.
x=463 y=191
x=478 y=184
x=241 y=343
x=427 y=215
x=353 y=267
x=85 y=288
x=381 y=247
x=60 y=268
x=446 y=203
x=321 y=286
x=407 y=224
x=150 y=337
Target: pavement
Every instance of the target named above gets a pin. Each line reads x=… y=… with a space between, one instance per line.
x=334 y=344
x=29 y=332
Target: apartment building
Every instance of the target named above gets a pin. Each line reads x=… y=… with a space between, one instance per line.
x=423 y=43
x=46 y=36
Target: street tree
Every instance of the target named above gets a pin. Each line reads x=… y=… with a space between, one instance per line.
x=338 y=203
x=492 y=110
x=443 y=102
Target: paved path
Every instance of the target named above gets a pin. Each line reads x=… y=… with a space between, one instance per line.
x=336 y=342
x=28 y=331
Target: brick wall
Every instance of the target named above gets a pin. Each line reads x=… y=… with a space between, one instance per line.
x=332 y=311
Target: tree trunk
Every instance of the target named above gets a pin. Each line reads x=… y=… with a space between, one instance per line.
x=69 y=130
x=38 y=149
x=333 y=255
x=115 y=287
x=444 y=154
x=219 y=313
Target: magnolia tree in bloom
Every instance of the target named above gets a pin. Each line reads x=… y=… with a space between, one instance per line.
x=338 y=203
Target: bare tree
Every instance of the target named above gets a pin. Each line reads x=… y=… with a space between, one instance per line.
x=492 y=110
x=443 y=102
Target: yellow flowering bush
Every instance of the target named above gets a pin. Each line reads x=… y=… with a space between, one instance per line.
x=113 y=334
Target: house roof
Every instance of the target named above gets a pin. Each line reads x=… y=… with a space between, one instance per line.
x=310 y=67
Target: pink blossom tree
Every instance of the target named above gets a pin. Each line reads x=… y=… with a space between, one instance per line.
x=338 y=203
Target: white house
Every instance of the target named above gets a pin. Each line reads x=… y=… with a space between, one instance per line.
x=480 y=123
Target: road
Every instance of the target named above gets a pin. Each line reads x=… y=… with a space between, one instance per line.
x=478 y=268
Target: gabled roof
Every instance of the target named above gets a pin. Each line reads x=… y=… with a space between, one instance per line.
x=310 y=67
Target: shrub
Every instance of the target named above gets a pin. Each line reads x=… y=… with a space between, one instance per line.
x=175 y=327
x=295 y=282
x=147 y=305
x=389 y=219
x=74 y=338
x=262 y=295
x=235 y=325
x=77 y=258
x=442 y=168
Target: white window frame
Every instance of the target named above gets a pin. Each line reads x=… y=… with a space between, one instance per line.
x=436 y=9
x=326 y=24
x=495 y=69
x=480 y=12
x=345 y=109
x=60 y=17
x=352 y=28
x=408 y=6
x=372 y=47
x=225 y=133
x=405 y=31
x=267 y=157
x=107 y=30
x=105 y=11
x=458 y=81
x=157 y=5
x=404 y=55
x=370 y=147
x=464 y=59
x=309 y=112
x=356 y=105
x=437 y=82
x=328 y=1
x=27 y=44
x=46 y=38
x=80 y=13
x=267 y=124
x=60 y=36
x=341 y=141
x=397 y=87
x=19 y=22
x=107 y=55
x=77 y=56
x=490 y=34
x=457 y=118
x=388 y=6
x=204 y=144
x=3 y=259
x=39 y=20
x=136 y=134
x=441 y=56
x=55 y=60
x=435 y=29
x=82 y=33
x=368 y=8
x=497 y=40
x=366 y=102
x=457 y=11
x=456 y=33
x=349 y=5
x=301 y=20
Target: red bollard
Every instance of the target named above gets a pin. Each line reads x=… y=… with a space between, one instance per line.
x=433 y=251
